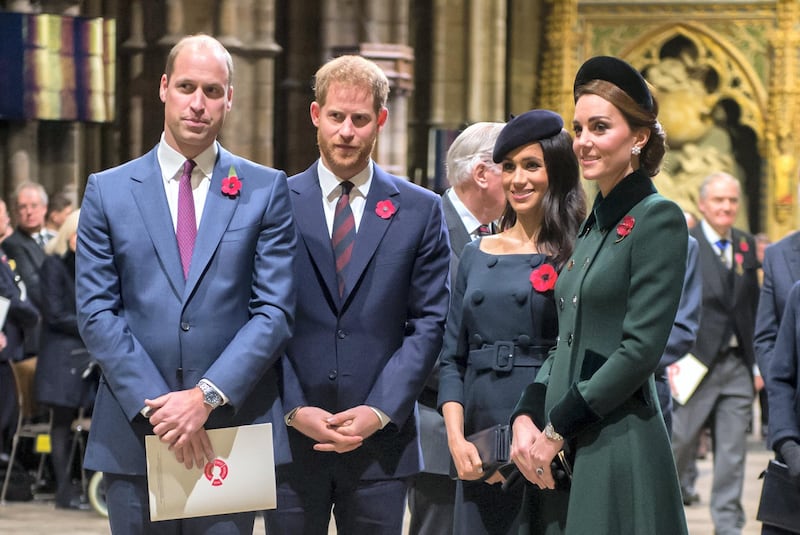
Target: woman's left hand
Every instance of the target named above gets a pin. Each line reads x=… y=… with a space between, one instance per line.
x=524 y=435
x=542 y=453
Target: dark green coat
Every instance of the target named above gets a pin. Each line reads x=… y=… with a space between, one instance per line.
x=617 y=298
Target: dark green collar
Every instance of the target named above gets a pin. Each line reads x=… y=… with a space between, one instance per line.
x=607 y=211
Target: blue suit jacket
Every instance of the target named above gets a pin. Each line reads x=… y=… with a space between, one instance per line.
x=687 y=319
x=154 y=332
x=781 y=270
x=377 y=344
x=781 y=375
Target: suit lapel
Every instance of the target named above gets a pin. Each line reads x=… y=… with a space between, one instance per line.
x=716 y=283
x=459 y=235
x=151 y=200
x=372 y=228
x=310 y=220
x=217 y=214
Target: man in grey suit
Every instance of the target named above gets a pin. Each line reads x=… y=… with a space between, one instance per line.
x=185 y=293
x=724 y=344
x=471 y=205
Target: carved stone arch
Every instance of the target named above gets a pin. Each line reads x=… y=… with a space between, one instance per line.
x=738 y=79
x=713 y=106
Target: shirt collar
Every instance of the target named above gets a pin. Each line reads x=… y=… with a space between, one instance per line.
x=711 y=234
x=470 y=222
x=329 y=183
x=171 y=161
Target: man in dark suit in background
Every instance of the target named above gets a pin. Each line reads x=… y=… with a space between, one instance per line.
x=724 y=344
x=471 y=205
x=185 y=293
x=26 y=248
x=373 y=260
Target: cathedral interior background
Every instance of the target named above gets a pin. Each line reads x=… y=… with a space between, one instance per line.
x=78 y=91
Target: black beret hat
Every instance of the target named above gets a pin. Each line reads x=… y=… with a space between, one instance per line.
x=528 y=127
x=619 y=73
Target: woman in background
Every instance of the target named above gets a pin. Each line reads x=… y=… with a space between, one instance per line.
x=62 y=357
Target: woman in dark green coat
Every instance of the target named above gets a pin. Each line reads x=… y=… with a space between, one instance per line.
x=616 y=297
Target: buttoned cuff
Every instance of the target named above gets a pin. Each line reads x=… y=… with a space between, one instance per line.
x=572 y=414
x=385 y=420
x=531 y=403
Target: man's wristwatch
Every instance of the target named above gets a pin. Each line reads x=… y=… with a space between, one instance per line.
x=210 y=395
x=551 y=433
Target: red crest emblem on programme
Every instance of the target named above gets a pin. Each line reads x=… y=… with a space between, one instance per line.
x=216 y=472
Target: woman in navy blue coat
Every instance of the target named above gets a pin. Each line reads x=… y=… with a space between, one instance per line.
x=502 y=319
x=62 y=356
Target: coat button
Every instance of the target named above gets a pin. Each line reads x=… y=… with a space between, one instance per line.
x=184 y=325
x=561 y=303
x=341 y=334
x=575 y=300
x=332 y=375
x=569 y=339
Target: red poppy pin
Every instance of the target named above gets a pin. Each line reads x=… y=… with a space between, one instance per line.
x=385 y=209
x=743 y=246
x=738 y=258
x=231 y=185
x=625 y=227
x=543 y=278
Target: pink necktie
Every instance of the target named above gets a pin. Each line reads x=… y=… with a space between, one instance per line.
x=186 y=230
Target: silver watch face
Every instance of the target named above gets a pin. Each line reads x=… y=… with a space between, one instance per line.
x=211 y=396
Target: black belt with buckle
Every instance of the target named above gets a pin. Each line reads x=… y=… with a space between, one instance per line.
x=503 y=356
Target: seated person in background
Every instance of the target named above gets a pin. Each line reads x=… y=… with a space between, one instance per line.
x=21 y=315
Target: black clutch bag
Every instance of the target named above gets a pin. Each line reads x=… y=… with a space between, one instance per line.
x=780 y=497
x=493 y=445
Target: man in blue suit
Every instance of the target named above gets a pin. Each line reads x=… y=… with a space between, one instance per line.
x=373 y=258
x=186 y=336
x=781 y=270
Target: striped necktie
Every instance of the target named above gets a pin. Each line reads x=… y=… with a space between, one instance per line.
x=343 y=235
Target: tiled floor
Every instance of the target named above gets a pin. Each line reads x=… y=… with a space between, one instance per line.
x=35 y=518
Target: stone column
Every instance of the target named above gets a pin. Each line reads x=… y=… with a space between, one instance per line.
x=782 y=142
x=560 y=62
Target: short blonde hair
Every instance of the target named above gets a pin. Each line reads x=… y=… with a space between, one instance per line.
x=60 y=244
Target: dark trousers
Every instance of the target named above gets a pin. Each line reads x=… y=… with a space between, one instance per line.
x=307 y=497
x=129 y=513
x=430 y=502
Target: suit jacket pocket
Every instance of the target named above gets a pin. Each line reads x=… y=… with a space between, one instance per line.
x=241 y=233
x=395 y=257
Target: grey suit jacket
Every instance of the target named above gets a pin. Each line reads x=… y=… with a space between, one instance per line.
x=781 y=271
